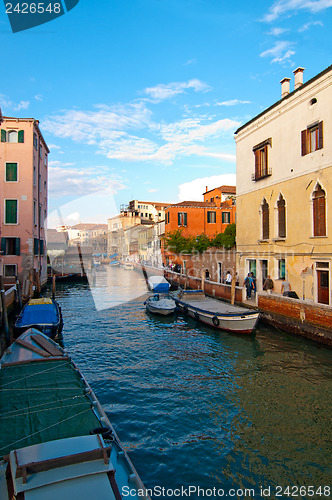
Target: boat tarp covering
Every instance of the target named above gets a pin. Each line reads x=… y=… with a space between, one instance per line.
x=42 y=402
x=39 y=314
x=158 y=284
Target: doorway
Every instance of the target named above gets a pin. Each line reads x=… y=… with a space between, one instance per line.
x=323 y=289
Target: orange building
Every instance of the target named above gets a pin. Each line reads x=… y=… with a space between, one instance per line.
x=220 y=194
x=200 y=217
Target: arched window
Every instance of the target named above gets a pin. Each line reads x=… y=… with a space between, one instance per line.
x=281 y=207
x=12 y=136
x=319 y=211
x=265 y=220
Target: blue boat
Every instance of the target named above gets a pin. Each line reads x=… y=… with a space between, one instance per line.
x=44 y=314
x=158 y=284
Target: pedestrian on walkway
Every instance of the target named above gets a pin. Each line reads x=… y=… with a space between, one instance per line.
x=285 y=287
x=228 y=278
x=268 y=284
x=248 y=283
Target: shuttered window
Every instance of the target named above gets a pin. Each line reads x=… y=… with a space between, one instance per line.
x=3 y=135
x=261 y=160
x=21 y=136
x=211 y=217
x=11 y=172
x=11 y=211
x=10 y=246
x=319 y=212
x=182 y=219
x=265 y=220
x=281 y=205
x=225 y=217
x=312 y=139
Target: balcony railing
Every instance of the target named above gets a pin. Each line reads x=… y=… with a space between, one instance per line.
x=260 y=175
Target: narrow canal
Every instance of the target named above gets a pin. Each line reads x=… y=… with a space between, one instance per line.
x=197 y=407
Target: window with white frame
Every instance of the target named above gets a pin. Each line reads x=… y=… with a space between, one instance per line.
x=11 y=212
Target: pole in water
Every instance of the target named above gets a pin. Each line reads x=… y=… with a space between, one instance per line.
x=53 y=286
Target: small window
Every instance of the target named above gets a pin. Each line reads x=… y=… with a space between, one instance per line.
x=225 y=217
x=11 y=211
x=265 y=220
x=281 y=206
x=312 y=139
x=261 y=160
x=10 y=246
x=319 y=211
x=12 y=136
x=11 y=172
x=281 y=268
x=182 y=219
x=211 y=217
x=10 y=270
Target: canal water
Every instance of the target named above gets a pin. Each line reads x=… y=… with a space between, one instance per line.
x=198 y=407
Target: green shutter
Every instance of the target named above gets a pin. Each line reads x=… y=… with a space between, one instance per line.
x=11 y=212
x=3 y=135
x=11 y=172
x=21 y=136
x=185 y=219
x=41 y=242
x=18 y=246
x=35 y=246
x=3 y=246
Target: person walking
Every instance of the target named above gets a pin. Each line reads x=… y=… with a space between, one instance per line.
x=285 y=287
x=248 y=283
x=268 y=284
x=228 y=278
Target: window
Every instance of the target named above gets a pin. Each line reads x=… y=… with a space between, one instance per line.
x=34 y=212
x=319 y=212
x=211 y=200
x=35 y=141
x=225 y=217
x=281 y=268
x=12 y=136
x=312 y=139
x=11 y=211
x=34 y=175
x=211 y=217
x=11 y=172
x=45 y=161
x=10 y=270
x=182 y=219
x=281 y=207
x=261 y=160
x=265 y=220
x=10 y=246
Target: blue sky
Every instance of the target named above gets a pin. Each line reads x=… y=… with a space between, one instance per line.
x=139 y=99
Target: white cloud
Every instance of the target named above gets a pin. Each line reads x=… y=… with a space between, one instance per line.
x=193 y=190
x=5 y=102
x=232 y=102
x=77 y=182
x=307 y=26
x=277 y=31
x=153 y=190
x=190 y=61
x=38 y=97
x=127 y=132
x=282 y=7
x=166 y=91
x=280 y=52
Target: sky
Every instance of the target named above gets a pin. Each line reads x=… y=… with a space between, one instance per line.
x=140 y=99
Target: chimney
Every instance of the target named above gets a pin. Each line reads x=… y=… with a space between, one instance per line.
x=285 y=87
x=206 y=189
x=298 y=72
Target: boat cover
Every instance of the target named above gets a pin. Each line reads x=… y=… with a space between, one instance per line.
x=41 y=402
x=38 y=314
x=158 y=284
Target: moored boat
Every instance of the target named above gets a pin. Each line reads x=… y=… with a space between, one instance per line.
x=43 y=314
x=158 y=284
x=160 y=305
x=62 y=444
x=216 y=313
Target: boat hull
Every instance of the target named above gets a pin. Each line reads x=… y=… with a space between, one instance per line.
x=52 y=327
x=243 y=323
x=158 y=310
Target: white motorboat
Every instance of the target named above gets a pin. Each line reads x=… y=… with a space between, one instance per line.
x=160 y=305
x=215 y=312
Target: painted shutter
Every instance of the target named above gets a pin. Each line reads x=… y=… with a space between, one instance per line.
x=11 y=212
x=41 y=247
x=35 y=246
x=320 y=135
x=265 y=222
x=11 y=172
x=185 y=219
x=18 y=246
x=3 y=246
x=304 y=142
x=3 y=135
x=257 y=165
x=179 y=218
x=281 y=219
x=20 y=136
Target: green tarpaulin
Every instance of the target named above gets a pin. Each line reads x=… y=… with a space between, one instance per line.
x=41 y=402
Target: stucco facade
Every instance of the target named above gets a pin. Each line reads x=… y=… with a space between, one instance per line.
x=284 y=188
x=23 y=183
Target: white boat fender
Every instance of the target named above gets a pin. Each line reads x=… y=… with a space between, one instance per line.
x=215 y=320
